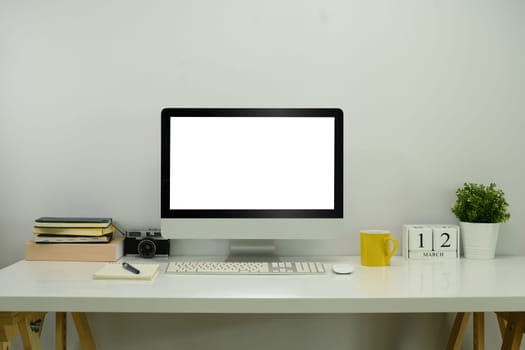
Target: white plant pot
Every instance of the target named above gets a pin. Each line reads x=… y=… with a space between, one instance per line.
x=479 y=240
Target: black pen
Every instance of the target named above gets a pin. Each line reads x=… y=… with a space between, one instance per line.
x=130 y=268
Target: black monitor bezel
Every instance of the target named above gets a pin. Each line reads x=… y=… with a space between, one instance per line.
x=168 y=113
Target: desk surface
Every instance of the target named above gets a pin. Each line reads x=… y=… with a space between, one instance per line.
x=406 y=286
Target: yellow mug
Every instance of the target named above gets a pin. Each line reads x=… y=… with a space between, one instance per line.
x=377 y=247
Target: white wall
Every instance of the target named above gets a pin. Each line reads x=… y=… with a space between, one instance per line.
x=433 y=94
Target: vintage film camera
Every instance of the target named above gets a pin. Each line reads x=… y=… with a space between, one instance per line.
x=146 y=243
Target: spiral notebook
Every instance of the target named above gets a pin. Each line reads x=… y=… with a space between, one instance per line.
x=115 y=271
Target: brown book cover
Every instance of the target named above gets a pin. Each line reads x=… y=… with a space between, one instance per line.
x=111 y=251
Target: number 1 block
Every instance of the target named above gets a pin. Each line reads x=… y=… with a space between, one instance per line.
x=420 y=238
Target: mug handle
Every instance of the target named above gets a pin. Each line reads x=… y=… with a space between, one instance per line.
x=387 y=248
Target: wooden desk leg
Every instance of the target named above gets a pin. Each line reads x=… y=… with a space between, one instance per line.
x=61 y=331
x=30 y=338
x=28 y=324
x=84 y=333
x=7 y=331
x=502 y=323
x=514 y=331
x=455 y=338
x=479 y=331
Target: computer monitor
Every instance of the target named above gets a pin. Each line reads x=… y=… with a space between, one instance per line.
x=251 y=173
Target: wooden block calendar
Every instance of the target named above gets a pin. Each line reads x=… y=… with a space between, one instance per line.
x=432 y=242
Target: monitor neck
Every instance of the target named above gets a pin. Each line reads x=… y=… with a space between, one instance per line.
x=252 y=250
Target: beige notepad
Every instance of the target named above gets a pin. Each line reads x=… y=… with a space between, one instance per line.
x=115 y=271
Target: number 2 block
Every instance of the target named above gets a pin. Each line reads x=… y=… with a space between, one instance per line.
x=445 y=238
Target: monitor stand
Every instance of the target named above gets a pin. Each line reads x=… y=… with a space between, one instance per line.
x=252 y=250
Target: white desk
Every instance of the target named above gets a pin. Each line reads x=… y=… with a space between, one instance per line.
x=406 y=286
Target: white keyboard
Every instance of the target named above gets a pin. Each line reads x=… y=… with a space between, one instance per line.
x=245 y=268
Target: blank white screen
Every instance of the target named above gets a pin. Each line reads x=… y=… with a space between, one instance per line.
x=252 y=163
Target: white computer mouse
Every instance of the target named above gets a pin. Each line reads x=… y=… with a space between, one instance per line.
x=343 y=269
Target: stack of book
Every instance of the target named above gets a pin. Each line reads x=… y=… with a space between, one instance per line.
x=74 y=239
x=73 y=230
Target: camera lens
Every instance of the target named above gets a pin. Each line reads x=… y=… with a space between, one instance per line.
x=146 y=248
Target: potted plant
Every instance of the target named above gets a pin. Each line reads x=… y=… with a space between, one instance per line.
x=480 y=209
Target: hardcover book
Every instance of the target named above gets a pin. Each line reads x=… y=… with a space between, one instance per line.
x=73 y=231
x=111 y=251
x=42 y=238
x=48 y=221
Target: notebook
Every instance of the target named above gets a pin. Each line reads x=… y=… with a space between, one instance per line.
x=72 y=222
x=72 y=239
x=115 y=271
x=73 y=231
